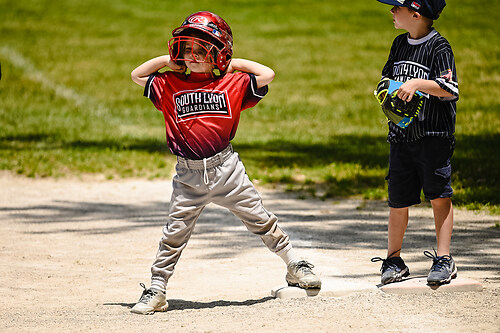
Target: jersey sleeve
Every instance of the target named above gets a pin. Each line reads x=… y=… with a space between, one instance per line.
x=253 y=94
x=387 y=71
x=444 y=72
x=154 y=89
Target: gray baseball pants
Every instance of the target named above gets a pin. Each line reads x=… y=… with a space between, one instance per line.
x=222 y=180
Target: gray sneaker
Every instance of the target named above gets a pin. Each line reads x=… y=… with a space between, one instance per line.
x=443 y=269
x=300 y=274
x=151 y=301
x=393 y=269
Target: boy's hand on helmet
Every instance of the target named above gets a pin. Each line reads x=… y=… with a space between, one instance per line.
x=180 y=68
x=230 y=68
x=176 y=67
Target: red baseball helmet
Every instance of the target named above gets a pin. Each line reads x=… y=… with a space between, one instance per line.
x=218 y=41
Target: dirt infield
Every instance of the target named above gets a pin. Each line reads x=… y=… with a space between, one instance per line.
x=74 y=251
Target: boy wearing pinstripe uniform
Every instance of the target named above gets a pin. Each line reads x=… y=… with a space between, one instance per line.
x=420 y=154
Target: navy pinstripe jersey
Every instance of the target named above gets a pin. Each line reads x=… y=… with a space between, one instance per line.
x=429 y=58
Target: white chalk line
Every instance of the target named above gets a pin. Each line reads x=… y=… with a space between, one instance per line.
x=32 y=73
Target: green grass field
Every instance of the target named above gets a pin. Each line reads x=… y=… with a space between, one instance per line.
x=68 y=106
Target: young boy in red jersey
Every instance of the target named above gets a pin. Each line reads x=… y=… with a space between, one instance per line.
x=202 y=111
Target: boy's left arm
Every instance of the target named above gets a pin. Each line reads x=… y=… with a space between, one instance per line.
x=431 y=87
x=263 y=74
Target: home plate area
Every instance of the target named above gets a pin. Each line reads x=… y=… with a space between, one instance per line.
x=418 y=285
x=415 y=285
x=329 y=288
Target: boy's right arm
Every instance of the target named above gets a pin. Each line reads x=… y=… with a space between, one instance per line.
x=140 y=74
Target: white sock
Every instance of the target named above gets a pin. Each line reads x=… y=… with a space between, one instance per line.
x=288 y=256
x=158 y=284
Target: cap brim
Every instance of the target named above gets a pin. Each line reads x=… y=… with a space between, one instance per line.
x=392 y=2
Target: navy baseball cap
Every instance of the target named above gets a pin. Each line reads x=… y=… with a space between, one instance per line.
x=427 y=8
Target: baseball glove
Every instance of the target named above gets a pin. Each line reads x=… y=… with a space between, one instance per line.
x=395 y=109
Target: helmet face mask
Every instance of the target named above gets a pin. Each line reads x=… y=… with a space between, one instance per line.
x=207 y=30
x=202 y=51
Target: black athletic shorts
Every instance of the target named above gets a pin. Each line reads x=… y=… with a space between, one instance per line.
x=423 y=164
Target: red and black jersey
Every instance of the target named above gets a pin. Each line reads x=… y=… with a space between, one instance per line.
x=201 y=112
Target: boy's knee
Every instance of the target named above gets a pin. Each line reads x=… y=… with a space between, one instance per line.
x=441 y=202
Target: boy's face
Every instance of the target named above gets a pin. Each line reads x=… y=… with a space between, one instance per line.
x=195 y=54
x=402 y=17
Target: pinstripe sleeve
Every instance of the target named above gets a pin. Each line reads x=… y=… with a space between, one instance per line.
x=445 y=73
x=387 y=71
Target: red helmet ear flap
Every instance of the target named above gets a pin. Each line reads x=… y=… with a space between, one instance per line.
x=223 y=59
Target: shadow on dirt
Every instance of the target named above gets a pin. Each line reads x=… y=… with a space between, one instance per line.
x=344 y=227
x=180 y=304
